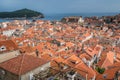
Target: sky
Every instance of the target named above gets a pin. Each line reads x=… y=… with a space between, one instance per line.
x=62 y=6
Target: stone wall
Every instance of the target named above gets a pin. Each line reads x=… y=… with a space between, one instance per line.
x=8 y=55
x=5 y=75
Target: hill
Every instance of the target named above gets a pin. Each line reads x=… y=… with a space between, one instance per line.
x=21 y=14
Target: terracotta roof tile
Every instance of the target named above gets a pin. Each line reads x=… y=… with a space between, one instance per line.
x=72 y=60
x=22 y=64
x=84 y=70
x=109 y=74
x=109 y=60
x=9 y=45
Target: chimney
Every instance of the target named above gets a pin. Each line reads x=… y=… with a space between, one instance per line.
x=33 y=44
x=37 y=53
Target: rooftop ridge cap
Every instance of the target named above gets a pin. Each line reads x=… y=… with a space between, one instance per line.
x=21 y=64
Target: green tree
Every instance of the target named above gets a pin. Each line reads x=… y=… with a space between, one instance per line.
x=100 y=70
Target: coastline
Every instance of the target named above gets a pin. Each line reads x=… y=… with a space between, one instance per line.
x=59 y=16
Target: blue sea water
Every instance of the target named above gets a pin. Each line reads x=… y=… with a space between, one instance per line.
x=60 y=16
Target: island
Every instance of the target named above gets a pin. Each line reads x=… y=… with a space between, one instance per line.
x=22 y=13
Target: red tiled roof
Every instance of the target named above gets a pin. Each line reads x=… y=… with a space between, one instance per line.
x=84 y=70
x=27 y=49
x=9 y=44
x=110 y=73
x=72 y=61
x=94 y=51
x=22 y=64
x=109 y=60
x=86 y=56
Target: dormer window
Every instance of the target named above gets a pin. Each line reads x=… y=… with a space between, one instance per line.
x=2 y=48
x=20 y=44
x=50 y=54
x=74 y=62
x=65 y=67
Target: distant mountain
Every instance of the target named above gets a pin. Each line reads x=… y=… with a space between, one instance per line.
x=21 y=14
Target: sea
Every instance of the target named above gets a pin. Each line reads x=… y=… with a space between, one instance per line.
x=59 y=16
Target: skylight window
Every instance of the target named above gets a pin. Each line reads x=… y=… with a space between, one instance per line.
x=2 y=48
